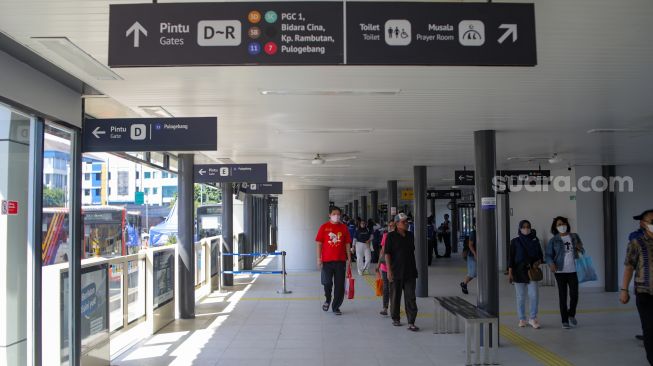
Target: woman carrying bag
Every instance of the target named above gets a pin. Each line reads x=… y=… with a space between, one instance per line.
x=524 y=272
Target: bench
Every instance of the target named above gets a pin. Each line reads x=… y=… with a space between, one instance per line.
x=450 y=310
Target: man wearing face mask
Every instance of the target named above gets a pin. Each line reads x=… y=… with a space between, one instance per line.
x=333 y=257
x=561 y=254
x=640 y=263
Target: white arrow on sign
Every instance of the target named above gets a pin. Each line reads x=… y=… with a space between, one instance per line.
x=97 y=132
x=510 y=29
x=202 y=171
x=137 y=29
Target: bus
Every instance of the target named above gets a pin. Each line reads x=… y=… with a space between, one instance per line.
x=109 y=231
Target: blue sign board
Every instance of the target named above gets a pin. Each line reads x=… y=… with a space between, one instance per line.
x=233 y=173
x=150 y=134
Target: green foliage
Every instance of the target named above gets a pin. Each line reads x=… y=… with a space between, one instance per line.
x=53 y=197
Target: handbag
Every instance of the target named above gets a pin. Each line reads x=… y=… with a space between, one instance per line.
x=584 y=269
x=535 y=273
x=350 y=286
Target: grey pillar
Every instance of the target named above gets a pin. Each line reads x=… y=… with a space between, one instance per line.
x=455 y=225
x=186 y=244
x=356 y=212
x=227 y=232
x=75 y=257
x=374 y=202
x=392 y=198
x=486 y=231
x=432 y=207
x=248 y=226
x=506 y=213
x=364 y=207
x=610 y=241
x=421 y=246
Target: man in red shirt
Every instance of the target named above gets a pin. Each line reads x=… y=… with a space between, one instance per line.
x=333 y=257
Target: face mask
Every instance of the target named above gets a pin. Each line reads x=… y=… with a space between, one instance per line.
x=525 y=231
x=562 y=229
x=650 y=227
x=335 y=218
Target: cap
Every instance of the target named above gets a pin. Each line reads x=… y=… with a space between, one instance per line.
x=400 y=217
x=641 y=216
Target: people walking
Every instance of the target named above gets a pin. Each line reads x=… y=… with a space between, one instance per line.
x=525 y=253
x=333 y=258
x=430 y=238
x=561 y=254
x=363 y=250
x=400 y=261
x=639 y=264
x=445 y=230
x=382 y=269
x=469 y=254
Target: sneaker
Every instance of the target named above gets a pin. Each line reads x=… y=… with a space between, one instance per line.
x=566 y=326
x=523 y=323
x=337 y=312
x=384 y=312
x=573 y=321
x=463 y=285
x=534 y=323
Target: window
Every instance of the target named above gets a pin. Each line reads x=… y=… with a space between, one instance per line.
x=173 y=176
x=147 y=175
x=97 y=176
x=153 y=175
x=147 y=191
x=123 y=183
x=109 y=191
x=168 y=191
x=138 y=175
x=155 y=190
x=138 y=189
x=87 y=176
x=164 y=175
x=87 y=192
x=109 y=177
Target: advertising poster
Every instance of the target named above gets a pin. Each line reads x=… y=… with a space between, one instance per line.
x=164 y=277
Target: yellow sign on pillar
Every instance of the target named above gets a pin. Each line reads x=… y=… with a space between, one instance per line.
x=407 y=195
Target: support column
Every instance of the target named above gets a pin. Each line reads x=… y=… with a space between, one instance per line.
x=227 y=232
x=432 y=208
x=486 y=231
x=455 y=225
x=364 y=207
x=392 y=198
x=374 y=202
x=248 y=218
x=421 y=246
x=356 y=212
x=186 y=244
x=610 y=241
x=506 y=213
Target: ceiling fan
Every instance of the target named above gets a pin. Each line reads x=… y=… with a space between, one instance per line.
x=553 y=159
x=321 y=158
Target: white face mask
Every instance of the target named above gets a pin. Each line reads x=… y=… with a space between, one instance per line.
x=650 y=227
x=335 y=218
x=562 y=229
x=525 y=231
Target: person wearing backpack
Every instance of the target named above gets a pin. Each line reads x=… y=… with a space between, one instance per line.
x=561 y=254
x=524 y=262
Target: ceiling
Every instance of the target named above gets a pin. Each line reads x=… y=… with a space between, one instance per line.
x=594 y=70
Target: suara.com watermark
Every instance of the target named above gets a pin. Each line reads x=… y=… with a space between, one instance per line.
x=563 y=184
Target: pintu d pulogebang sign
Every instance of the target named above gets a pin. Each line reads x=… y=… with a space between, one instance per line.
x=231 y=173
x=150 y=134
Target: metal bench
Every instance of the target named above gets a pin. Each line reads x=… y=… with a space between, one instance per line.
x=450 y=310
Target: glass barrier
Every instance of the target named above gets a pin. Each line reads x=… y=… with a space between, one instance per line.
x=115 y=296
x=136 y=290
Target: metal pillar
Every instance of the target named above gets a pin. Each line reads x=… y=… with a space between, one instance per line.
x=486 y=231
x=75 y=257
x=421 y=246
x=506 y=213
x=227 y=233
x=455 y=226
x=610 y=241
x=392 y=198
x=356 y=212
x=186 y=244
x=248 y=218
x=364 y=207
x=374 y=202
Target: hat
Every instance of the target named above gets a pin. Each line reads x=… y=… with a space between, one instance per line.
x=641 y=216
x=400 y=217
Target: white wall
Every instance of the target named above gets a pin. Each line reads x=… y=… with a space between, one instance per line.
x=22 y=84
x=301 y=212
x=633 y=203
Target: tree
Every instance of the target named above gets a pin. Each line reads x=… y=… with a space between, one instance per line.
x=53 y=197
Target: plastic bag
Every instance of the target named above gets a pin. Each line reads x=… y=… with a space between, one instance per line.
x=350 y=284
x=584 y=269
x=378 y=289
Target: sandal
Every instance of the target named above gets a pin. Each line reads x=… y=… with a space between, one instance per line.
x=413 y=328
x=325 y=306
x=396 y=323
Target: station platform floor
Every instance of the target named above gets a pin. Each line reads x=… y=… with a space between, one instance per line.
x=253 y=325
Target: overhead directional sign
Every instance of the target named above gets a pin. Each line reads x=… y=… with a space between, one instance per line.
x=220 y=173
x=434 y=33
x=464 y=177
x=439 y=194
x=237 y=33
x=150 y=134
x=262 y=188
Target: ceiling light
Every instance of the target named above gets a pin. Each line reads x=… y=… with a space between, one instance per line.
x=615 y=130
x=156 y=111
x=64 y=53
x=327 y=130
x=555 y=159
x=341 y=92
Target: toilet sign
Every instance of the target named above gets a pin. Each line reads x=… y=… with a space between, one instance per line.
x=150 y=134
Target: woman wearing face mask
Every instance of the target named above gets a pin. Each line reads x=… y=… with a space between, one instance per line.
x=561 y=254
x=363 y=250
x=525 y=252
x=381 y=268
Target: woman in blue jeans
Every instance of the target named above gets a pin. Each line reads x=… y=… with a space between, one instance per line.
x=525 y=252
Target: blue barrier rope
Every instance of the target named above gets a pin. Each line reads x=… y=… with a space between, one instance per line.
x=251 y=254
x=252 y=272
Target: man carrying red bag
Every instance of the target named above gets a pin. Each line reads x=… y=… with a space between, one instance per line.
x=333 y=257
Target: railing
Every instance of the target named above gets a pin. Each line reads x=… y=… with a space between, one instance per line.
x=207 y=265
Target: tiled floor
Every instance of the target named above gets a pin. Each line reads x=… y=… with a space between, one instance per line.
x=256 y=326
